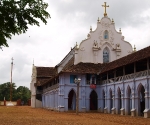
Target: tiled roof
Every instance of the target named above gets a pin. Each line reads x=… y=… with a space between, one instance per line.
x=44 y=74
x=131 y=58
x=70 y=63
x=92 y=68
x=84 y=68
x=45 y=71
x=40 y=81
x=47 y=80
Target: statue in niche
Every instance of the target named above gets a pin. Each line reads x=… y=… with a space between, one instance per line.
x=118 y=46
x=118 y=50
x=95 y=51
x=105 y=56
x=95 y=45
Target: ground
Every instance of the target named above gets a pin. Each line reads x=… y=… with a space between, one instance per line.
x=24 y=115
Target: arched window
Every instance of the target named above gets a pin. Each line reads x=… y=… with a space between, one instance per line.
x=106 y=34
x=106 y=55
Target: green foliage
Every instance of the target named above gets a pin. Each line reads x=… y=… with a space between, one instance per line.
x=17 y=15
x=21 y=92
x=5 y=91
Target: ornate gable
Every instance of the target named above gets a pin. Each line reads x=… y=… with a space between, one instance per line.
x=91 y=50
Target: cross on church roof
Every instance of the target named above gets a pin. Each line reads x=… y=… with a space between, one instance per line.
x=105 y=14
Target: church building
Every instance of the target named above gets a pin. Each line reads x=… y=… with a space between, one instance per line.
x=112 y=76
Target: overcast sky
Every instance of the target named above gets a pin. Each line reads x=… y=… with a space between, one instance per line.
x=70 y=23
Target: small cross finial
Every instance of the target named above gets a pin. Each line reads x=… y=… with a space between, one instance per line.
x=105 y=14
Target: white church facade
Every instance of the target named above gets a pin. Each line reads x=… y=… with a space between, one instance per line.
x=114 y=78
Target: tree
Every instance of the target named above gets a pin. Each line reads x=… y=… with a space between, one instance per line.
x=5 y=91
x=17 y=15
x=23 y=93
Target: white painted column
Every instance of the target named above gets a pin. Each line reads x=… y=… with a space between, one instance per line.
x=122 y=103
x=113 y=99
x=117 y=102
x=133 y=112
x=146 y=99
x=147 y=110
x=133 y=100
x=122 y=110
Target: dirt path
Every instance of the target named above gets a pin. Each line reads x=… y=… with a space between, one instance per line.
x=29 y=116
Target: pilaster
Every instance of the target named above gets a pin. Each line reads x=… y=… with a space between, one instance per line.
x=133 y=110
x=147 y=110
x=113 y=110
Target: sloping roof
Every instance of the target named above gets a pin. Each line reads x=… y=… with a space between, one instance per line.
x=44 y=74
x=45 y=81
x=79 y=68
x=45 y=71
x=40 y=81
x=92 y=68
x=131 y=58
x=70 y=63
x=84 y=68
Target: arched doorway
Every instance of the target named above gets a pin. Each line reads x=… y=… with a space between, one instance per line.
x=119 y=100
x=111 y=100
x=71 y=100
x=129 y=101
x=141 y=96
x=93 y=100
